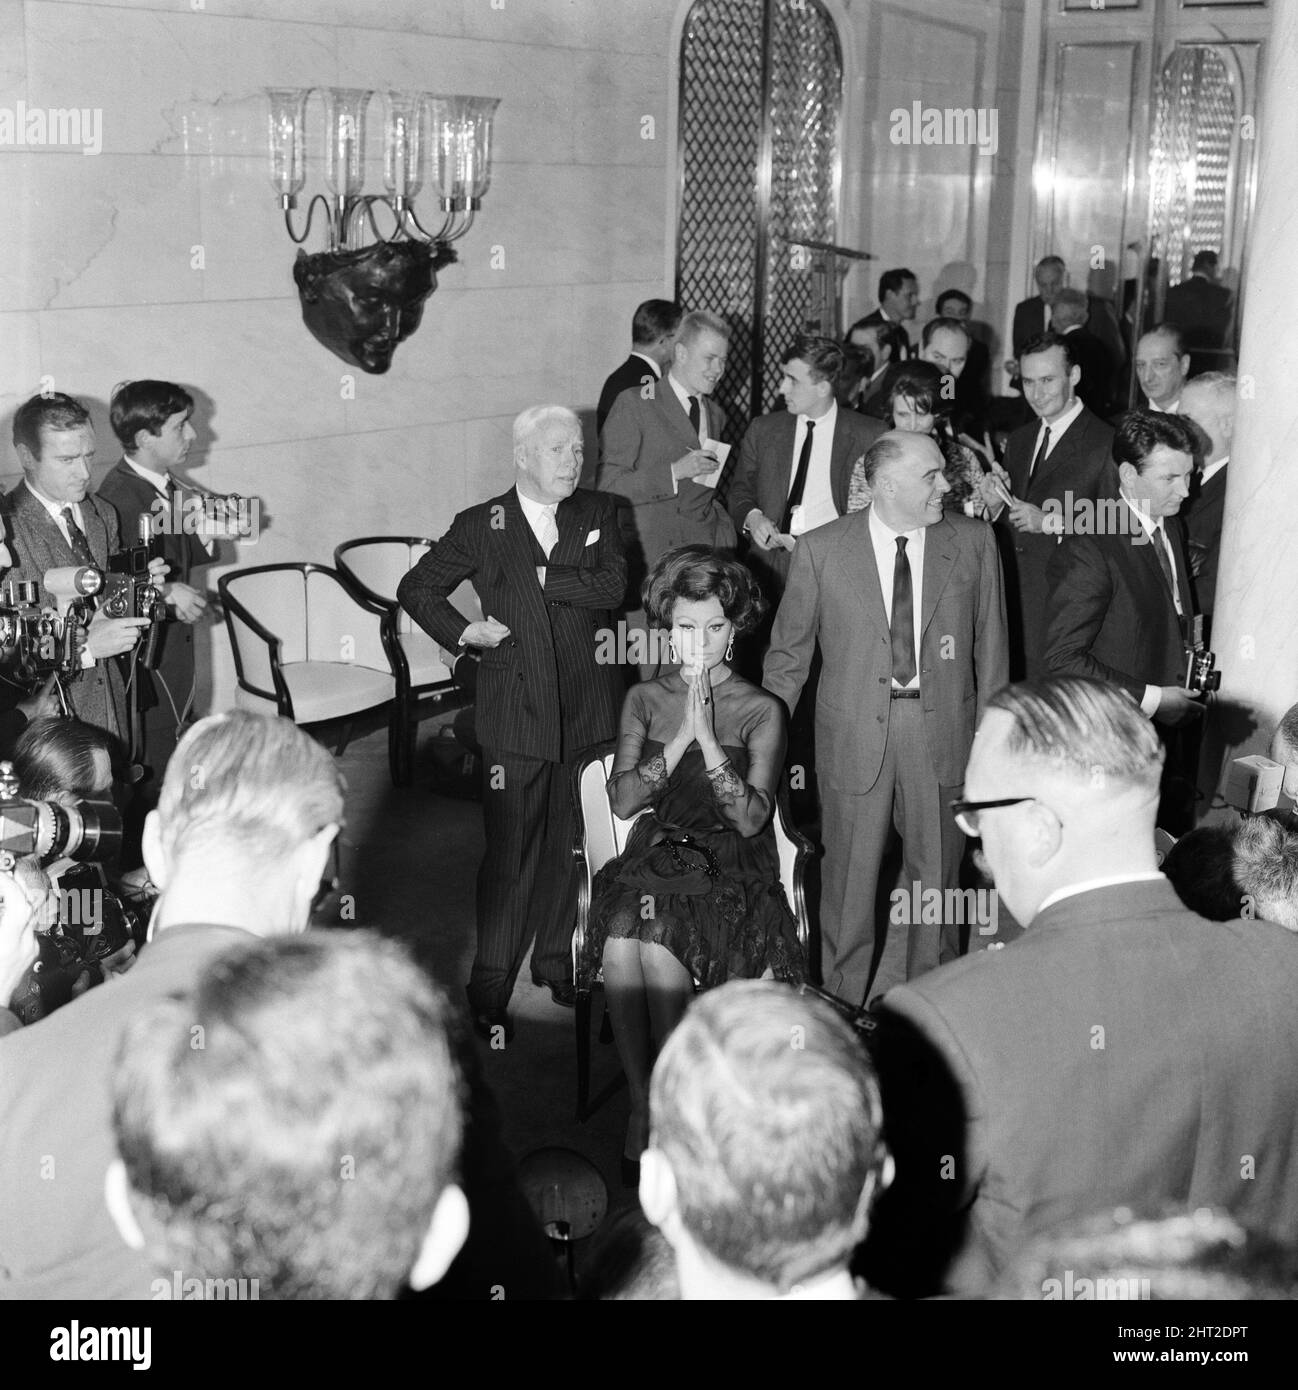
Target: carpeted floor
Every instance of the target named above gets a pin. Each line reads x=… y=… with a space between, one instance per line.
x=408 y=861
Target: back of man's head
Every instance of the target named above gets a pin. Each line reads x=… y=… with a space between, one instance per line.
x=242 y=793
x=1201 y=867
x=296 y=1121
x=1266 y=869
x=654 y=320
x=1071 y=766
x=1070 y=309
x=766 y=1148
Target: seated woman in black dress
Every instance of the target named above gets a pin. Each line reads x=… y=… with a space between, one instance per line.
x=696 y=898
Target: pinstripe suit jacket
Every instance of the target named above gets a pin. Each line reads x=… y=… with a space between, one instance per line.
x=541 y=692
x=97 y=696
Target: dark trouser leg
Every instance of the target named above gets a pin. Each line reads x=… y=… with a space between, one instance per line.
x=515 y=798
x=557 y=877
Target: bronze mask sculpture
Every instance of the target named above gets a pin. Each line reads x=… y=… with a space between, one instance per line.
x=361 y=304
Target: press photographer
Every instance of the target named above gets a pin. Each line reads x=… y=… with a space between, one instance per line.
x=53 y=524
x=57 y=803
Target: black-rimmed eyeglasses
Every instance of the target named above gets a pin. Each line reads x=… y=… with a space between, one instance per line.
x=966 y=812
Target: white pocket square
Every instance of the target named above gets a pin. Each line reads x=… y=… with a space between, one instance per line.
x=593 y=537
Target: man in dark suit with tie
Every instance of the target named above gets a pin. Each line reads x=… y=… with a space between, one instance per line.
x=53 y=522
x=1062 y=458
x=653 y=334
x=1208 y=402
x=1201 y=308
x=886 y=344
x=1068 y=319
x=151 y=420
x=972 y=385
x=1120 y=606
x=907 y=608
x=546 y=560
x=1124 y=1052
x=898 y=301
x=795 y=464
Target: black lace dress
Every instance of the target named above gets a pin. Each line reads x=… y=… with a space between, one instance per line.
x=694 y=877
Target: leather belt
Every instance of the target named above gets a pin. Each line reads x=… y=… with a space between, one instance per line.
x=908 y=694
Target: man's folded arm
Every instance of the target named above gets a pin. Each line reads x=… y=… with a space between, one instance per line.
x=425 y=591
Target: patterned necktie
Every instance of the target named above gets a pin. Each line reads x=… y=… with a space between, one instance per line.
x=77 y=539
x=799 y=479
x=902 y=626
x=695 y=416
x=549 y=536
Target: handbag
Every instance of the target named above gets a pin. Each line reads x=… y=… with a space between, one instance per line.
x=673 y=864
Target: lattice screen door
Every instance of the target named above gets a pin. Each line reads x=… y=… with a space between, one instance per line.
x=761 y=85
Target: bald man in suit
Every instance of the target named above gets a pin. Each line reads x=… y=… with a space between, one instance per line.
x=906 y=605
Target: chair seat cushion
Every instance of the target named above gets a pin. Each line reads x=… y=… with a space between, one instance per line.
x=331 y=689
x=427 y=666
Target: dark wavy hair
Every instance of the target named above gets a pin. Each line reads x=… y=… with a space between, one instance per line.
x=920 y=383
x=1140 y=432
x=698 y=572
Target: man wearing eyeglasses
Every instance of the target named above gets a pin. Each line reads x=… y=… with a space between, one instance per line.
x=1123 y=1052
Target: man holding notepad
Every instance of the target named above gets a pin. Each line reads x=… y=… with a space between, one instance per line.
x=660 y=455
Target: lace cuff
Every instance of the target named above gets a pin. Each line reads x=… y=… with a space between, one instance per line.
x=653 y=775
x=727 y=785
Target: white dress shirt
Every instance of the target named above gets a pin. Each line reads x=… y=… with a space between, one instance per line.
x=1058 y=427
x=683 y=396
x=537 y=514
x=817 y=497
x=55 y=510
x=884 y=540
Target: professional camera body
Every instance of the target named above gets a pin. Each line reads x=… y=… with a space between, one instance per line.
x=40 y=638
x=1200 y=675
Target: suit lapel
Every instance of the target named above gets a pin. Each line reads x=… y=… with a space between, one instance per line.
x=861 y=572
x=571 y=517
x=941 y=546
x=672 y=413
x=516 y=538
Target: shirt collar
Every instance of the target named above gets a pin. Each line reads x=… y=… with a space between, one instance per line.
x=160 y=481
x=682 y=394
x=1090 y=884
x=1057 y=427
x=824 y=424
x=885 y=532
x=55 y=509
x=657 y=370
x=1147 y=523
x=534 y=511
x=1210 y=470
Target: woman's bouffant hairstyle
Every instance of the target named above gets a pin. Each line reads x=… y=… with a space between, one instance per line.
x=920 y=383
x=698 y=572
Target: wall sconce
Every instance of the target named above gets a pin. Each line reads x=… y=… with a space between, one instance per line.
x=361 y=297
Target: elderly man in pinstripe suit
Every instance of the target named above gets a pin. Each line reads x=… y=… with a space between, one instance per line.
x=546 y=560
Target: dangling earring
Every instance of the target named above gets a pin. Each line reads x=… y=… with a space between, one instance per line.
x=730 y=650
x=671 y=649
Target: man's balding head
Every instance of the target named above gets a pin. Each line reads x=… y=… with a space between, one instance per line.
x=1208 y=401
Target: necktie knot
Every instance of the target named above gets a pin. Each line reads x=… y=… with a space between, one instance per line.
x=901 y=545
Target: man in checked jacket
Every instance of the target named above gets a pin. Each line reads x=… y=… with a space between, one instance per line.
x=546 y=561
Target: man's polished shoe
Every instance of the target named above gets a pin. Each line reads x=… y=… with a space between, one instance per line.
x=563 y=992
x=486 y=1021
